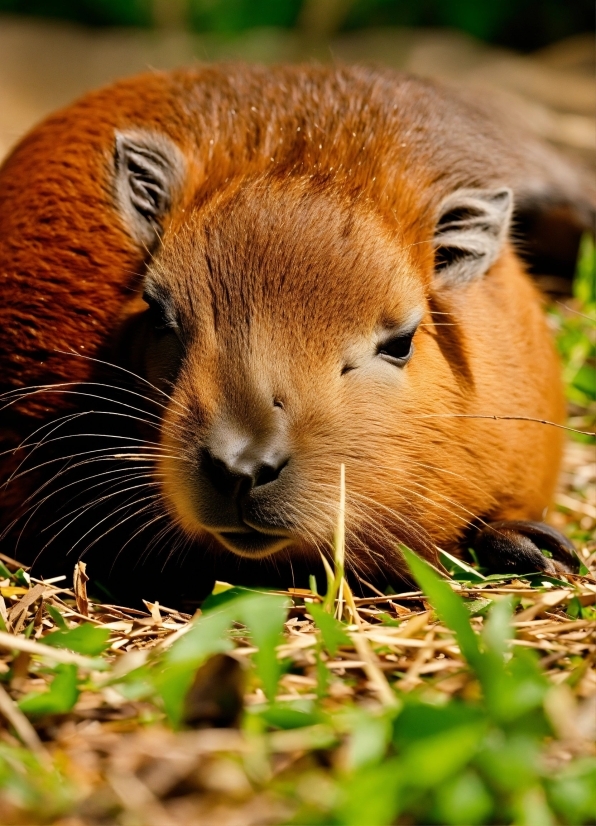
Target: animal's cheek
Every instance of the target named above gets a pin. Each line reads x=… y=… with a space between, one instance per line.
x=371 y=406
x=163 y=359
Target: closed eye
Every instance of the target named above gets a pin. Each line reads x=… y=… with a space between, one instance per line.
x=160 y=318
x=398 y=349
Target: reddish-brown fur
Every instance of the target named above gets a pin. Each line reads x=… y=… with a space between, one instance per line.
x=346 y=168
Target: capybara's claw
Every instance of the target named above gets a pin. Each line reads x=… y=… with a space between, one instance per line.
x=520 y=546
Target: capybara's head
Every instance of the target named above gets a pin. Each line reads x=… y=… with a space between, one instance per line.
x=292 y=330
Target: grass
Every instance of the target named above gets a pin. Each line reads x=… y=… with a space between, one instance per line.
x=465 y=701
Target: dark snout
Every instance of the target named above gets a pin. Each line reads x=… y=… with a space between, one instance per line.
x=241 y=473
x=235 y=469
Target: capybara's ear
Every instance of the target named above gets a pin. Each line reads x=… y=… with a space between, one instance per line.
x=149 y=171
x=470 y=233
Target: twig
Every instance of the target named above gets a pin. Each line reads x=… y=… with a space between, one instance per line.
x=506 y=419
x=366 y=654
x=60 y=655
x=21 y=724
x=372 y=670
x=339 y=551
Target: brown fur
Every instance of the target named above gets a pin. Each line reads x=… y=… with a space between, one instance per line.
x=312 y=193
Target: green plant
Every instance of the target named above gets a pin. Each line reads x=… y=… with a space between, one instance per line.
x=576 y=332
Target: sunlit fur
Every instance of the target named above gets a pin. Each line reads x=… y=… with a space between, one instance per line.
x=303 y=228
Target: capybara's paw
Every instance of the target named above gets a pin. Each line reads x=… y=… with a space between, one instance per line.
x=520 y=546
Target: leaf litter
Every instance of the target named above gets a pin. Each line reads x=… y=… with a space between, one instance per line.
x=157 y=717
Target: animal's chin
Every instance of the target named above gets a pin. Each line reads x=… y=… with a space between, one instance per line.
x=251 y=543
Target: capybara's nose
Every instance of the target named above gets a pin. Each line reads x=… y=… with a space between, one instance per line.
x=235 y=473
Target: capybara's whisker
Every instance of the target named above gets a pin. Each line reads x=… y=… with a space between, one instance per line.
x=45 y=440
x=106 y=453
x=136 y=514
x=156 y=538
x=35 y=502
x=88 y=506
x=432 y=502
x=129 y=504
x=155 y=544
x=108 y=492
x=76 y=389
x=134 y=376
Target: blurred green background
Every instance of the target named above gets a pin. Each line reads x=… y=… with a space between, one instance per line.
x=518 y=24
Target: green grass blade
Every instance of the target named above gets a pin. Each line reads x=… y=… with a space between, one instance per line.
x=264 y=615
x=449 y=607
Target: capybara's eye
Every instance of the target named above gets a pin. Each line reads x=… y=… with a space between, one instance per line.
x=397 y=349
x=159 y=316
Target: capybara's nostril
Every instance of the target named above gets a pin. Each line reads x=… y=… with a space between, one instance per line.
x=269 y=472
x=234 y=475
x=222 y=476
